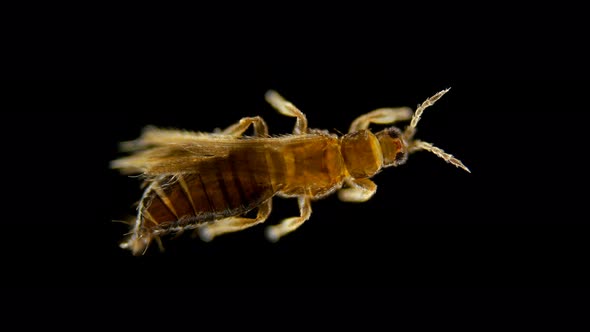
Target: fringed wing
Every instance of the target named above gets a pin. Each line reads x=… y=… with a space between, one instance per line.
x=169 y=152
x=165 y=151
x=153 y=137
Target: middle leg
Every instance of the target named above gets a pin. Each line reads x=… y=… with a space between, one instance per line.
x=274 y=233
x=238 y=129
x=286 y=108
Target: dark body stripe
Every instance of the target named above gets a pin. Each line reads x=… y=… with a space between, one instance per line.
x=278 y=166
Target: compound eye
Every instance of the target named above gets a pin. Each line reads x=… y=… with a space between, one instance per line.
x=400 y=157
x=392 y=146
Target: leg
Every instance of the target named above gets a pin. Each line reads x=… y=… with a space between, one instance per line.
x=233 y=224
x=421 y=145
x=381 y=116
x=286 y=108
x=360 y=190
x=238 y=129
x=274 y=233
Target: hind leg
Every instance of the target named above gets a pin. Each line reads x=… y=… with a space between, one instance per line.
x=233 y=224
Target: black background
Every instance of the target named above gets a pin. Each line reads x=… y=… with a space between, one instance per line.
x=517 y=221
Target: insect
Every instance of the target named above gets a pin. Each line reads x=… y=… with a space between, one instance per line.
x=209 y=181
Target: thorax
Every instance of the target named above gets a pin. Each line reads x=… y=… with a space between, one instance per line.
x=313 y=165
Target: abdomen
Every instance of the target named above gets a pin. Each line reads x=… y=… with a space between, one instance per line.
x=222 y=187
x=219 y=188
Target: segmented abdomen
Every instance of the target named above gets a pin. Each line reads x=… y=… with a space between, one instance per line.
x=219 y=188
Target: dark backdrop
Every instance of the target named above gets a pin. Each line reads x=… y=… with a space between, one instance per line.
x=518 y=220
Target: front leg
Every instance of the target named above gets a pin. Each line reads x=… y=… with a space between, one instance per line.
x=358 y=191
x=274 y=233
x=383 y=116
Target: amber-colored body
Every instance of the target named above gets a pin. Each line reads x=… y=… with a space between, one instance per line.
x=209 y=181
x=252 y=171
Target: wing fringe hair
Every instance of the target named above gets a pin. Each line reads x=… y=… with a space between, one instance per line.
x=168 y=151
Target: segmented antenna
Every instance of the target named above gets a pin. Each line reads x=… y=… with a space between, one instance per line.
x=417 y=145
x=421 y=145
x=411 y=129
